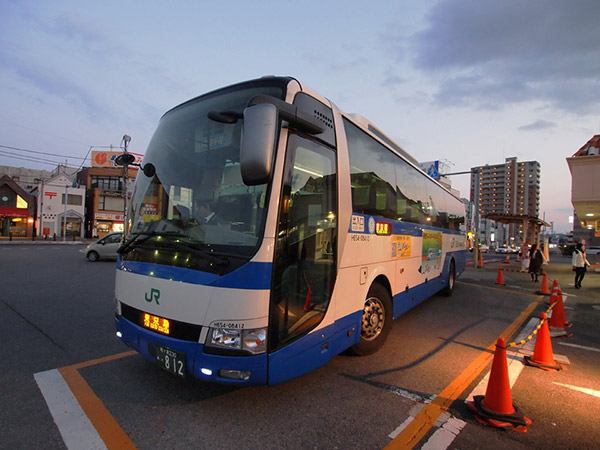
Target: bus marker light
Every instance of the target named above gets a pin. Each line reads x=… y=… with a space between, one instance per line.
x=119 y=334
x=383 y=228
x=206 y=371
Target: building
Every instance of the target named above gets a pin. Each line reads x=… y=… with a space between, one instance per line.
x=60 y=207
x=585 y=191
x=507 y=200
x=28 y=179
x=105 y=201
x=17 y=210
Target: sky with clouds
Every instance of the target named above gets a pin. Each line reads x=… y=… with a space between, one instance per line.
x=470 y=82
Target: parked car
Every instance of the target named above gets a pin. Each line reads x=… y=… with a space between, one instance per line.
x=592 y=250
x=484 y=248
x=104 y=248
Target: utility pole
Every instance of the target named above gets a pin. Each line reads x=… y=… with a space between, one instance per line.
x=41 y=220
x=65 y=216
x=126 y=141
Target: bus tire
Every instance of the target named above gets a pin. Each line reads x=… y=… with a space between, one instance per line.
x=376 y=321
x=447 y=291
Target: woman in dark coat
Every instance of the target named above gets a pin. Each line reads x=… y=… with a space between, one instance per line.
x=536 y=259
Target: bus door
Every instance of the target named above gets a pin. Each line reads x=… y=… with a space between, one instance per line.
x=304 y=266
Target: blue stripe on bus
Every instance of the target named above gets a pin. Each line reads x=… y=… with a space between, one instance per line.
x=253 y=275
x=401 y=227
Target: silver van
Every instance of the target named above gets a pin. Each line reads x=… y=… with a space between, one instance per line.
x=104 y=248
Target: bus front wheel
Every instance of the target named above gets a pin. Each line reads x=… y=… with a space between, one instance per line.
x=376 y=321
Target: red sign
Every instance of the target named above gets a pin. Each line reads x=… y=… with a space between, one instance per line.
x=106 y=159
x=50 y=194
x=14 y=212
x=100 y=159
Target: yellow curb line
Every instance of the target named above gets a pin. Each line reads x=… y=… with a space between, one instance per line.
x=107 y=427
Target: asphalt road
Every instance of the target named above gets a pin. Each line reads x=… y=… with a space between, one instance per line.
x=57 y=311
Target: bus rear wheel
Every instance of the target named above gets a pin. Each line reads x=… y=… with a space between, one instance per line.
x=451 y=279
x=376 y=321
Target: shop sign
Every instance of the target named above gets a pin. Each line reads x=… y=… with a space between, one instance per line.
x=106 y=159
x=14 y=212
x=112 y=193
x=109 y=216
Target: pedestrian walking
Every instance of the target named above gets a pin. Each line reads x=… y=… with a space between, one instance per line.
x=536 y=259
x=579 y=263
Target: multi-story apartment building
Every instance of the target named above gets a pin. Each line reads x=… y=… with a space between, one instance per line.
x=511 y=189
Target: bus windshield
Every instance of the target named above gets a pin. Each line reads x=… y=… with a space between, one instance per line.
x=195 y=212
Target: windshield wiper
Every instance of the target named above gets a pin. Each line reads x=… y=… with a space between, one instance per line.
x=147 y=235
x=136 y=236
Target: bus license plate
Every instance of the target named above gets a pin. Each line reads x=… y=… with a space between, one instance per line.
x=170 y=360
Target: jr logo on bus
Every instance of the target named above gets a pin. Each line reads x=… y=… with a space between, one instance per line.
x=153 y=295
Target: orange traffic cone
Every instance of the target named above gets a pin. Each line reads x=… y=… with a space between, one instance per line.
x=518 y=258
x=544 y=290
x=507 y=260
x=496 y=407
x=480 y=260
x=543 y=356
x=500 y=278
x=554 y=292
x=559 y=318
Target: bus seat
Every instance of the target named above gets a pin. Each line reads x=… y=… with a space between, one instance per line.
x=360 y=195
x=380 y=201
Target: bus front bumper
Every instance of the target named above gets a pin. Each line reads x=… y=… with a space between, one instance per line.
x=235 y=370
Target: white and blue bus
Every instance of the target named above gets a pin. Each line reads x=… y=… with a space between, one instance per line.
x=268 y=231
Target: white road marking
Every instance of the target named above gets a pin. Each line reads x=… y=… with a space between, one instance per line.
x=591 y=349
x=588 y=391
x=75 y=428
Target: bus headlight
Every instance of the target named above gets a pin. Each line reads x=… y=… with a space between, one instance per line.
x=253 y=341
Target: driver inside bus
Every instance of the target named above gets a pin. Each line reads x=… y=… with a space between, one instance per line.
x=204 y=213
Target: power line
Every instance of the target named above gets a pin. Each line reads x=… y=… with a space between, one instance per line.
x=42 y=153
x=32 y=159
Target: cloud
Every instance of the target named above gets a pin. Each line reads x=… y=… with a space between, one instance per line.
x=487 y=53
x=538 y=125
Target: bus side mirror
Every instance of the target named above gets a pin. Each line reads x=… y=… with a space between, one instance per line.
x=257 y=149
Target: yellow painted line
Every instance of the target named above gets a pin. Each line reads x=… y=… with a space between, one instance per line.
x=420 y=426
x=93 y=362
x=107 y=427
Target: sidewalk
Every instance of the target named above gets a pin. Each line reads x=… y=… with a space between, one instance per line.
x=559 y=268
x=58 y=241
